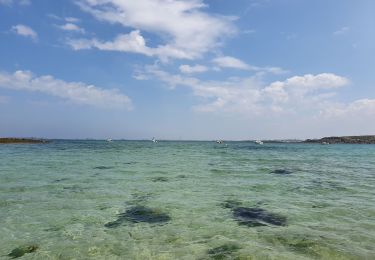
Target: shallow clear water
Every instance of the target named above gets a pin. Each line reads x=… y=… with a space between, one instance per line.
x=59 y=196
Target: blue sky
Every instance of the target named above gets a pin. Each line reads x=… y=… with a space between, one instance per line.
x=189 y=69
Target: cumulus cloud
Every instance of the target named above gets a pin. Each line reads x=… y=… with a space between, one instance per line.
x=252 y=97
x=301 y=85
x=234 y=63
x=132 y=42
x=25 y=31
x=187 y=69
x=76 y=92
x=362 y=107
x=231 y=62
x=240 y=95
x=187 y=31
x=71 y=27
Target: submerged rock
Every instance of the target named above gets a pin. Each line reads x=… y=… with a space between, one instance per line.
x=22 y=141
x=160 y=179
x=103 y=167
x=223 y=251
x=114 y=224
x=254 y=217
x=139 y=214
x=130 y=163
x=60 y=180
x=20 y=251
x=281 y=171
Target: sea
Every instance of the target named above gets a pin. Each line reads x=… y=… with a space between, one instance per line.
x=92 y=199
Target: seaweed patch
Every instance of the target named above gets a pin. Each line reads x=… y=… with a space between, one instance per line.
x=223 y=252
x=281 y=171
x=20 y=251
x=140 y=214
x=160 y=179
x=254 y=217
x=103 y=167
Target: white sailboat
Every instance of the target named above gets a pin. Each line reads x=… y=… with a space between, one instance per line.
x=154 y=140
x=258 y=142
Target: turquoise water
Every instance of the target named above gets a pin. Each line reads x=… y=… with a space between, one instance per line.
x=61 y=196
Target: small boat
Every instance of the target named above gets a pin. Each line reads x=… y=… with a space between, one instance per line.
x=219 y=141
x=258 y=142
x=109 y=140
x=325 y=143
x=154 y=140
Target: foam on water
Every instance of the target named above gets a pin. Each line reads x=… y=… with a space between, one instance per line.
x=186 y=200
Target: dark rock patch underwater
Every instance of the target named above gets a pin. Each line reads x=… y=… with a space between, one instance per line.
x=103 y=167
x=138 y=214
x=160 y=179
x=281 y=172
x=20 y=251
x=254 y=217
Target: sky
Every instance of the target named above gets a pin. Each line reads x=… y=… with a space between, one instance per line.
x=187 y=70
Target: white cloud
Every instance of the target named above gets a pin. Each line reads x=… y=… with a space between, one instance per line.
x=186 y=30
x=231 y=62
x=301 y=85
x=76 y=92
x=19 y=2
x=66 y=19
x=342 y=30
x=25 y=31
x=361 y=108
x=234 y=63
x=298 y=94
x=187 y=69
x=53 y=16
x=72 y=19
x=72 y=27
x=132 y=42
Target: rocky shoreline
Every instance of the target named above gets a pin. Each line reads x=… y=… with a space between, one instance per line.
x=22 y=141
x=362 y=139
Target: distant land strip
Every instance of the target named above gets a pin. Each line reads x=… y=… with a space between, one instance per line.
x=361 y=139
x=22 y=141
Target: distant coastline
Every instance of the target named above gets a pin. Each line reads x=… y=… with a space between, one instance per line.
x=22 y=141
x=361 y=139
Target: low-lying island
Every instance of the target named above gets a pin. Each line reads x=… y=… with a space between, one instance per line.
x=11 y=140
x=361 y=139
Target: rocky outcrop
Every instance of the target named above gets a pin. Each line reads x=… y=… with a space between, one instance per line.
x=22 y=141
x=362 y=139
